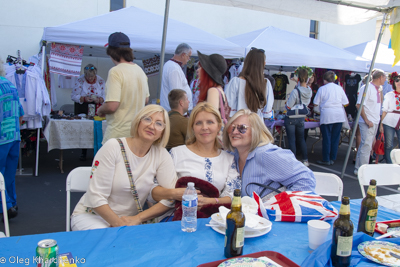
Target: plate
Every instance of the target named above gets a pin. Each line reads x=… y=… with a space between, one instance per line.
x=247 y=234
x=262 y=224
x=245 y=262
x=369 y=249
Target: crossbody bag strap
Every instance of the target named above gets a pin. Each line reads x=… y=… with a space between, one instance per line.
x=265 y=187
x=298 y=91
x=128 y=170
x=221 y=105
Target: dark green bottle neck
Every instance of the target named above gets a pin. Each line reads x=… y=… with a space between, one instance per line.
x=236 y=204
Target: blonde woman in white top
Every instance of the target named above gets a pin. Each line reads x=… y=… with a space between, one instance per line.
x=108 y=201
x=390 y=121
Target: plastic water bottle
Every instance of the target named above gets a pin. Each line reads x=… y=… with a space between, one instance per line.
x=189 y=209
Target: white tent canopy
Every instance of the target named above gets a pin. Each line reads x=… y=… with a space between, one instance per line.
x=314 y=9
x=283 y=48
x=384 y=58
x=145 y=32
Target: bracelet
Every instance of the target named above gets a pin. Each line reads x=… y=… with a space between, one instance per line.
x=216 y=199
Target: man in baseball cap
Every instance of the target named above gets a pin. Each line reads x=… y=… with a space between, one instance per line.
x=127 y=90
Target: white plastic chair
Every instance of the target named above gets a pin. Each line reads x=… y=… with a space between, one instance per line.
x=4 y=204
x=395 y=156
x=328 y=184
x=77 y=181
x=384 y=174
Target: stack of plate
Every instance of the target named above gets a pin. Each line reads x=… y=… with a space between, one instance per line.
x=254 y=226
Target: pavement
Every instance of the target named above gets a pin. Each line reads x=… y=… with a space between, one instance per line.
x=42 y=199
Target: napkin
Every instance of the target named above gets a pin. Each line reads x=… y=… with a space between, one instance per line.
x=249 y=205
x=252 y=220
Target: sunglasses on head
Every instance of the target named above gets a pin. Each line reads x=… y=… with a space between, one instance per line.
x=261 y=50
x=90 y=68
x=397 y=79
x=242 y=128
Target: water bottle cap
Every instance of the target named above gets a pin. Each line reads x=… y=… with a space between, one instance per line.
x=190 y=184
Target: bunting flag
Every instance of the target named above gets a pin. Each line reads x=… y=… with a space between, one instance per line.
x=395 y=41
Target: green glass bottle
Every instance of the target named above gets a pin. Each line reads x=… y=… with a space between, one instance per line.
x=342 y=236
x=368 y=211
x=234 y=234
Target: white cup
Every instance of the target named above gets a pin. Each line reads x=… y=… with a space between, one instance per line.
x=317 y=233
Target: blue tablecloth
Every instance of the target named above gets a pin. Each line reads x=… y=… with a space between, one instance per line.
x=164 y=244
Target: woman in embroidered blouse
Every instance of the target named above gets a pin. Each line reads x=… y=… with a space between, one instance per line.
x=390 y=121
x=203 y=158
x=251 y=90
x=258 y=160
x=210 y=70
x=108 y=201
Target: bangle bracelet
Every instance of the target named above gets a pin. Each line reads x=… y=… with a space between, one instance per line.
x=216 y=199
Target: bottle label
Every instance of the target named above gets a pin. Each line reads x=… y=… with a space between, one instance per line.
x=344 y=246
x=240 y=237
x=370 y=220
x=236 y=201
x=344 y=209
x=190 y=203
x=372 y=190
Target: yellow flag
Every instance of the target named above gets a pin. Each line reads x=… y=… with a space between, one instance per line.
x=395 y=36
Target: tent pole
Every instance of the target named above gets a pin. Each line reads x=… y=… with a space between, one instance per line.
x=164 y=37
x=38 y=130
x=355 y=124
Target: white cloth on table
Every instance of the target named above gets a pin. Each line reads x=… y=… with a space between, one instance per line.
x=371 y=106
x=235 y=90
x=389 y=105
x=83 y=88
x=173 y=78
x=109 y=182
x=220 y=171
x=331 y=98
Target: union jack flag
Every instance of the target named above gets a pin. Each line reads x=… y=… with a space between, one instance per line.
x=296 y=206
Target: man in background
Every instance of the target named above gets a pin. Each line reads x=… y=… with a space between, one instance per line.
x=11 y=113
x=127 y=90
x=173 y=76
x=179 y=103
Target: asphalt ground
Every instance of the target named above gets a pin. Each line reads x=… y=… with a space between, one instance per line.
x=42 y=199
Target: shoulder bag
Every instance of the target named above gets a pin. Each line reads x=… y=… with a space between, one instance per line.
x=299 y=110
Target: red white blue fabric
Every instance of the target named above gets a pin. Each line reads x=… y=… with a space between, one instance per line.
x=296 y=206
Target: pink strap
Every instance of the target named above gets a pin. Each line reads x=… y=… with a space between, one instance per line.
x=222 y=107
x=216 y=199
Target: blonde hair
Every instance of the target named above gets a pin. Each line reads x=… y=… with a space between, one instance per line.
x=260 y=135
x=207 y=107
x=148 y=111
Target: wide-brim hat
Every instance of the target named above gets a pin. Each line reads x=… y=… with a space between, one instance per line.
x=214 y=65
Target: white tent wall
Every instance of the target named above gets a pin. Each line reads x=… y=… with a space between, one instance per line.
x=22 y=21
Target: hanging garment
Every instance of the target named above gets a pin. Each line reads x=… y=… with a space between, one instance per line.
x=66 y=59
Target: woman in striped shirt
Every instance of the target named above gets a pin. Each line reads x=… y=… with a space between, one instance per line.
x=263 y=166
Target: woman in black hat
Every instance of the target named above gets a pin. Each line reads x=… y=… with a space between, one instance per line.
x=212 y=68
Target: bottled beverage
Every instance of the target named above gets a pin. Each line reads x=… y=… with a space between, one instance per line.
x=342 y=236
x=189 y=209
x=234 y=233
x=368 y=211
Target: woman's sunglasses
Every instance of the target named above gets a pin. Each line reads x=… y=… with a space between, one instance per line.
x=397 y=80
x=90 y=68
x=242 y=128
x=261 y=50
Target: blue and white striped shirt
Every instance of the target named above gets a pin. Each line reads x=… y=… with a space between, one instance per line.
x=274 y=166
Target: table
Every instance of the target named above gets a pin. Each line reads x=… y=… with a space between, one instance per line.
x=70 y=134
x=164 y=244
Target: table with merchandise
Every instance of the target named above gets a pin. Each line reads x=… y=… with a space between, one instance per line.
x=70 y=134
x=164 y=244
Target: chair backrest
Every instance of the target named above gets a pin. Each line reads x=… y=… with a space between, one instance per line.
x=4 y=205
x=77 y=181
x=395 y=156
x=68 y=108
x=384 y=174
x=328 y=184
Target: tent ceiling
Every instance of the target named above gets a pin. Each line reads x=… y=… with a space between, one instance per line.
x=145 y=32
x=313 y=9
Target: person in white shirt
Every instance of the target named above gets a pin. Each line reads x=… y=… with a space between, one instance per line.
x=173 y=76
x=251 y=90
x=331 y=98
x=390 y=122
x=109 y=200
x=370 y=116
